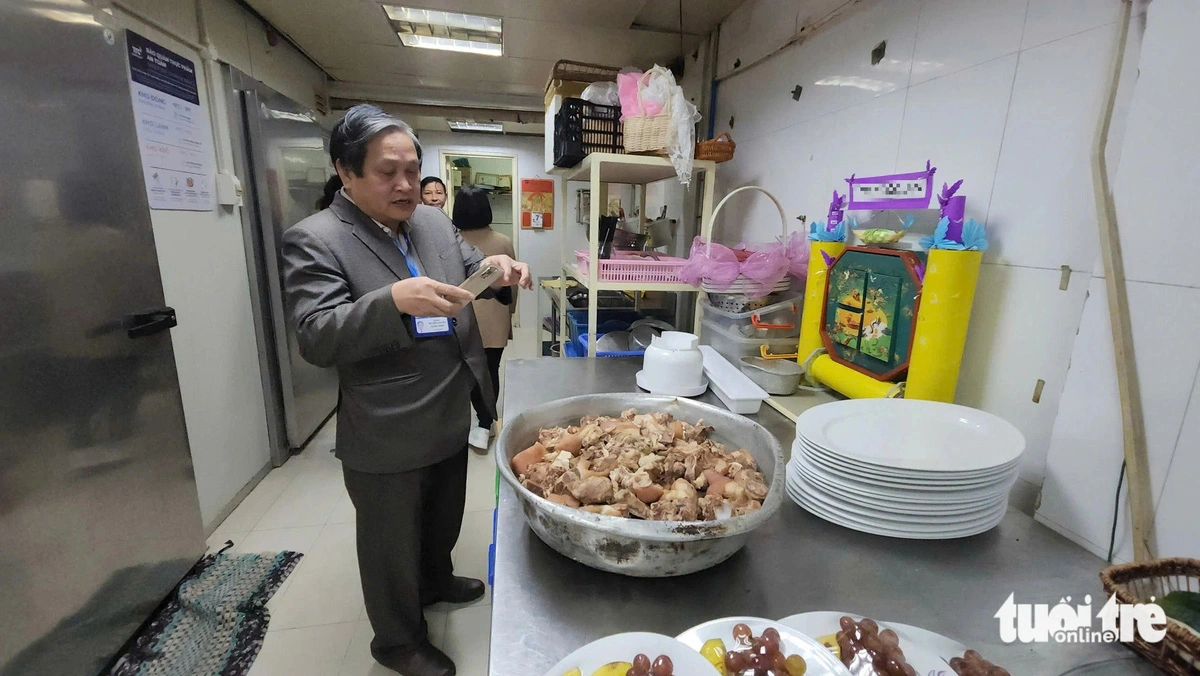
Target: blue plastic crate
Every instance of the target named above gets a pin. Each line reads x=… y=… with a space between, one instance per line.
x=607 y=319
x=579 y=348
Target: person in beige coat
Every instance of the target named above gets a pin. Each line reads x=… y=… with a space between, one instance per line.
x=473 y=218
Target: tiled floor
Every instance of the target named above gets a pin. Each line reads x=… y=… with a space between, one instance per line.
x=318 y=624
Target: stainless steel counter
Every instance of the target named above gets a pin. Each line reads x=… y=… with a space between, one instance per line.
x=544 y=606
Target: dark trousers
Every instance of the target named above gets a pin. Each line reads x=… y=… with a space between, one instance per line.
x=494 y=355
x=407 y=526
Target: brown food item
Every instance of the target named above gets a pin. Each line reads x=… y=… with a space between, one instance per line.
x=973 y=664
x=647 y=466
x=865 y=649
x=762 y=656
x=527 y=458
x=566 y=500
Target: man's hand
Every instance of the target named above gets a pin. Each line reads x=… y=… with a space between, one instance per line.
x=512 y=273
x=425 y=297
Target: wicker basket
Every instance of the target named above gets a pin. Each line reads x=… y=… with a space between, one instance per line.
x=1178 y=654
x=650 y=134
x=570 y=78
x=719 y=149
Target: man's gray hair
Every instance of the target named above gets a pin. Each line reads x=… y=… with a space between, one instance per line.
x=354 y=132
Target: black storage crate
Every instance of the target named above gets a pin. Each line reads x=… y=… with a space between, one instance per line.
x=582 y=128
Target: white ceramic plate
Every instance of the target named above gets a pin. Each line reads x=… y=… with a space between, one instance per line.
x=820 y=661
x=911 y=638
x=834 y=501
x=816 y=624
x=911 y=493
x=802 y=445
x=876 y=528
x=914 y=507
x=913 y=434
x=886 y=478
x=624 y=647
x=895 y=522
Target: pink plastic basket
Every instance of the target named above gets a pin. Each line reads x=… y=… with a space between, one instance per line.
x=627 y=267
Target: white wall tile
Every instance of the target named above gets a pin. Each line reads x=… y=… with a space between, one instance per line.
x=754 y=29
x=893 y=22
x=957 y=34
x=868 y=139
x=1176 y=514
x=1054 y=19
x=1155 y=183
x=1043 y=212
x=1086 y=448
x=1014 y=340
x=957 y=122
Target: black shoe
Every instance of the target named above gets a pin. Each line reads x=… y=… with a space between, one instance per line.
x=424 y=661
x=461 y=590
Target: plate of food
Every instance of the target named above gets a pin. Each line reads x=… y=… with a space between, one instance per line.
x=742 y=646
x=829 y=628
x=633 y=654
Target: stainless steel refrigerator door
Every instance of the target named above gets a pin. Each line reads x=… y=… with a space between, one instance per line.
x=288 y=158
x=99 y=517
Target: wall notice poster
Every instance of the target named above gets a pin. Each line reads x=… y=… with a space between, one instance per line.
x=173 y=133
x=537 y=203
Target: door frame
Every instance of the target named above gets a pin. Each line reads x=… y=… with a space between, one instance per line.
x=463 y=151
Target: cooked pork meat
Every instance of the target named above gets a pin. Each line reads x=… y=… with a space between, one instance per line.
x=645 y=466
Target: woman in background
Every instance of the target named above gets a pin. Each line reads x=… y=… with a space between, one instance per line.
x=473 y=218
x=433 y=192
x=332 y=186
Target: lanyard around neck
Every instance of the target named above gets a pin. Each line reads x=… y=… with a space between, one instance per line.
x=412 y=267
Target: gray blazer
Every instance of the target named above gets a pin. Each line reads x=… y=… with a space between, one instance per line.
x=404 y=402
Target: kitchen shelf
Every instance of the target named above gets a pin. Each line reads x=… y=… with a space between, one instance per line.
x=599 y=170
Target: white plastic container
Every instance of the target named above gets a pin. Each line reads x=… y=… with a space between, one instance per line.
x=734 y=347
x=732 y=387
x=778 y=320
x=673 y=365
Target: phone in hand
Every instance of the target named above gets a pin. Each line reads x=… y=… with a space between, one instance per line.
x=481 y=280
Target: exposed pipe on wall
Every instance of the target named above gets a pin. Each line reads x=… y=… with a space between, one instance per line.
x=803 y=34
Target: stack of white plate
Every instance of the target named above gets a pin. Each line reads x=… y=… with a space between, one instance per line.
x=904 y=468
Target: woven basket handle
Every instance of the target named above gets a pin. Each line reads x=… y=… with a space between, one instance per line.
x=713 y=219
x=642 y=82
x=725 y=135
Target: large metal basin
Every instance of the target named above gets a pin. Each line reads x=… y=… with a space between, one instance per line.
x=632 y=546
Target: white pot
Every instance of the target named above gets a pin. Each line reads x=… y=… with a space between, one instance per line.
x=673 y=362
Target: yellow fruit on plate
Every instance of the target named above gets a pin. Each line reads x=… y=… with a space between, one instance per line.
x=613 y=669
x=830 y=642
x=573 y=672
x=713 y=650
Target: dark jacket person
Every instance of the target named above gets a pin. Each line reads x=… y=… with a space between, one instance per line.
x=372 y=288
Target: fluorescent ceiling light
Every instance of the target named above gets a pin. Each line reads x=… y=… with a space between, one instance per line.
x=449 y=31
x=472 y=125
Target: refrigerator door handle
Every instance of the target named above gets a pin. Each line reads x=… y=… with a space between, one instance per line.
x=141 y=324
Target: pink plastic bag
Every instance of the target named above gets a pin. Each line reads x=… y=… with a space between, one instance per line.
x=718 y=266
x=627 y=90
x=797 y=253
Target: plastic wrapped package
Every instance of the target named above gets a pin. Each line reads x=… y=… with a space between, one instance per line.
x=602 y=93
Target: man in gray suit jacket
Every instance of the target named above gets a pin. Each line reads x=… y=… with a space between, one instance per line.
x=372 y=287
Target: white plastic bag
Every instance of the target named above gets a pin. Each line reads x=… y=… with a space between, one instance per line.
x=661 y=92
x=603 y=93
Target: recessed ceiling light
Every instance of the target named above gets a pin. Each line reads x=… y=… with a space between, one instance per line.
x=472 y=125
x=450 y=31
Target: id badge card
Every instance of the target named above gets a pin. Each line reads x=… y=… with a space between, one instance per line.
x=432 y=327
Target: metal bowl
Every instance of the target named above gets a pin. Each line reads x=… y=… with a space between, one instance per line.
x=631 y=546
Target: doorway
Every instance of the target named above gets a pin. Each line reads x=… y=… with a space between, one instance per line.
x=494 y=172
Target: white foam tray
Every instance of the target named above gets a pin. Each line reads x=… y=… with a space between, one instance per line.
x=734 y=388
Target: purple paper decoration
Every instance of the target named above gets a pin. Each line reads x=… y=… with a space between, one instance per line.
x=836 y=211
x=919 y=270
x=953 y=211
x=893 y=191
x=828 y=259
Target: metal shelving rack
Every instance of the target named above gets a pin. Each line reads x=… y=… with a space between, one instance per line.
x=600 y=170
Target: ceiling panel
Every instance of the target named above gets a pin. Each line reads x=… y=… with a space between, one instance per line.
x=699 y=18
x=379 y=77
x=353 y=42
